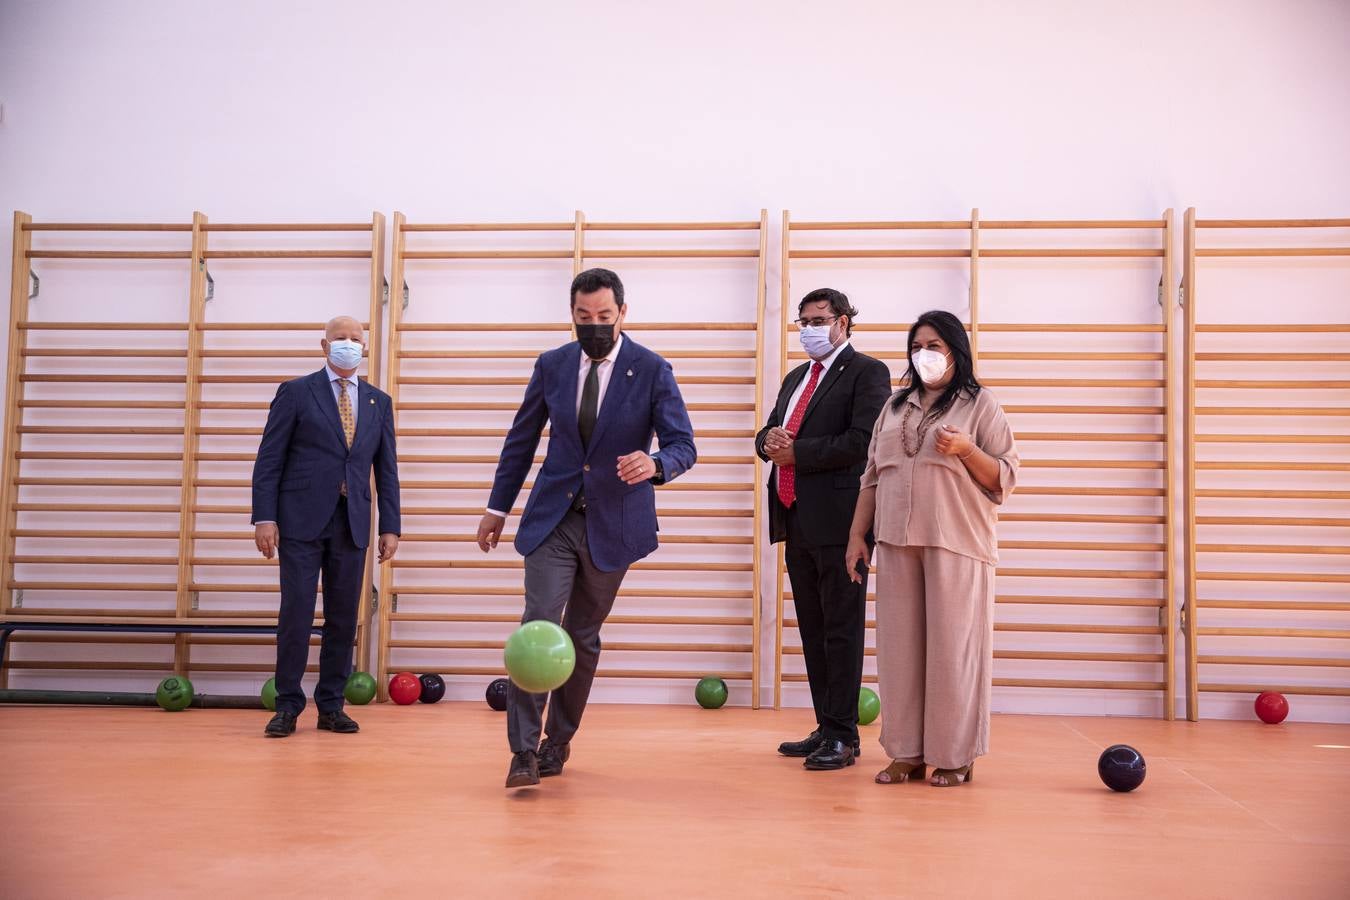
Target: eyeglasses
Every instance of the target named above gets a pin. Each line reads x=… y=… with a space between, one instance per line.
x=817 y=321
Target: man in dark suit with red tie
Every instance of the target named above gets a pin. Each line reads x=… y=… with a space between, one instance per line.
x=817 y=438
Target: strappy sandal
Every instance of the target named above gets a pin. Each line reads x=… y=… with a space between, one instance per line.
x=953 y=777
x=898 y=772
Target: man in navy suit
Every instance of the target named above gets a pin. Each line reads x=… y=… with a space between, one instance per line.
x=311 y=502
x=592 y=512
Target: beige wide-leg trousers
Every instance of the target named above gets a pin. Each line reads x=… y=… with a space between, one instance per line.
x=935 y=650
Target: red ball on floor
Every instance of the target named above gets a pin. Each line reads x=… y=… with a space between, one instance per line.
x=1271 y=707
x=405 y=688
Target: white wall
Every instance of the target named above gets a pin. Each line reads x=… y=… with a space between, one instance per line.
x=517 y=111
x=506 y=110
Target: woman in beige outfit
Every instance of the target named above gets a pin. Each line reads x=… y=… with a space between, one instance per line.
x=942 y=459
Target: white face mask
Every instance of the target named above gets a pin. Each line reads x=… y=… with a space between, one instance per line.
x=344 y=354
x=930 y=364
x=816 y=341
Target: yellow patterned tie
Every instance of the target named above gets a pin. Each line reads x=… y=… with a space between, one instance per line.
x=345 y=411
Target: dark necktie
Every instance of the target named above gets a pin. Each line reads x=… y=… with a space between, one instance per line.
x=590 y=396
x=590 y=399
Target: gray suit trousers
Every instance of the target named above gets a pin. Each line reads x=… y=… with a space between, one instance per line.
x=562 y=585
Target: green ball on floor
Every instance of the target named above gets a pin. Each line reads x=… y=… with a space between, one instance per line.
x=174 y=693
x=269 y=694
x=360 y=688
x=869 y=706
x=711 y=692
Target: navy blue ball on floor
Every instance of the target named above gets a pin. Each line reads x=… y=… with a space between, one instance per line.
x=496 y=694
x=1121 y=768
x=433 y=688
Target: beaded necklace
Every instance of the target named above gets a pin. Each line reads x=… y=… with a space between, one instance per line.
x=924 y=424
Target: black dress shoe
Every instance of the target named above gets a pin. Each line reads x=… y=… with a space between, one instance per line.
x=551 y=758
x=338 y=721
x=524 y=769
x=830 y=755
x=282 y=725
x=804 y=747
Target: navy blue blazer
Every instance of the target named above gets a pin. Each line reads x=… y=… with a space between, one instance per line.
x=303 y=460
x=641 y=400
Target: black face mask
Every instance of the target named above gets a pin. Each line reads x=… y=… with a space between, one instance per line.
x=596 y=340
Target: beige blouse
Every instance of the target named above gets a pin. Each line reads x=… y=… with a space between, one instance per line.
x=930 y=500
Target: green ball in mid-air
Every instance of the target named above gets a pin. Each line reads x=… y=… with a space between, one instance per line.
x=869 y=706
x=711 y=692
x=540 y=656
x=174 y=693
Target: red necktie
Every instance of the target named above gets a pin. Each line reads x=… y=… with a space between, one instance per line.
x=787 y=475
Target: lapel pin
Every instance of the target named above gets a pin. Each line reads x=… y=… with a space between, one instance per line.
x=630 y=373
x=372 y=401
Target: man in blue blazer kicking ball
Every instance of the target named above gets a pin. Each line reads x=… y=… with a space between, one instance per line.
x=325 y=433
x=592 y=512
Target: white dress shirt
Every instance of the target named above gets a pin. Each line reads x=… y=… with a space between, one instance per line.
x=827 y=362
x=603 y=373
x=606 y=369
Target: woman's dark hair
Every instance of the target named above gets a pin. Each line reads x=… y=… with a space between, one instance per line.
x=838 y=301
x=953 y=334
x=593 y=280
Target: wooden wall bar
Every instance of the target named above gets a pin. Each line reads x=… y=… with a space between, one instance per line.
x=1266 y=472
x=155 y=419
x=457 y=380
x=1086 y=469
x=175 y=422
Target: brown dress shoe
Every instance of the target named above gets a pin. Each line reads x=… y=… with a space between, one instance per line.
x=524 y=769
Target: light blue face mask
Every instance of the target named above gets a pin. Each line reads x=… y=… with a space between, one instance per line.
x=344 y=354
x=816 y=341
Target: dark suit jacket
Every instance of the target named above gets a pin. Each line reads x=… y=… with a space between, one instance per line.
x=831 y=445
x=303 y=460
x=641 y=401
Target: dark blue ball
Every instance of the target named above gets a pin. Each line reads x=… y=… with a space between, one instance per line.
x=1121 y=767
x=496 y=694
x=433 y=688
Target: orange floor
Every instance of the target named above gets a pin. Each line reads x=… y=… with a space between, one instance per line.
x=657 y=801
